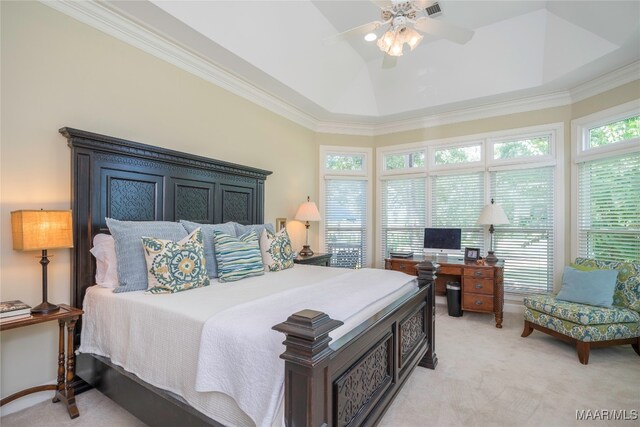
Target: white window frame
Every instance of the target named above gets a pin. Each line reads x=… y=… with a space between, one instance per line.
x=456 y=166
x=579 y=135
x=383 y=171
x=554 y=158
x=365 y=173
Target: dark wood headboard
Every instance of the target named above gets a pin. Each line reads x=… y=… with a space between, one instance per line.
x=125 y=180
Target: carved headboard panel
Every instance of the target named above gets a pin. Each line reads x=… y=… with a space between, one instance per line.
x=112 y=177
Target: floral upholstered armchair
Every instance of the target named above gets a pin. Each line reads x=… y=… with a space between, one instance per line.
x=588 y=325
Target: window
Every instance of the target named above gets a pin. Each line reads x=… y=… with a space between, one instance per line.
x=523 y=147
x=609 y=208
x=518 y=168
x=450 y=156
x=611 y=133
x=404 y=161
x=607 y=183
x=345 y=194
x=457 y=201
x=527 y=242
x=344 y=162
x=346 y=222
x=403 y=212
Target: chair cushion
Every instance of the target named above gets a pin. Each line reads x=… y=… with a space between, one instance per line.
x=627 y=293
x=586 y=333
x=593 y=287
x=580 y=313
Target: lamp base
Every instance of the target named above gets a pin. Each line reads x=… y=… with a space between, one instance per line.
x=491 y=258
x=306 y=251
x=45 y=308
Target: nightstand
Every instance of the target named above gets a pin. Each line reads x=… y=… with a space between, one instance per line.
x=315 y=259
x=66 y=317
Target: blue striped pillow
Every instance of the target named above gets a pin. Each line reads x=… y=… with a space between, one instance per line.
x=237 y=257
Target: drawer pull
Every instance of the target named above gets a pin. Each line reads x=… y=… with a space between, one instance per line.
x=402 y=266
x=479 y=286
x=478 y=302
x=477 y=273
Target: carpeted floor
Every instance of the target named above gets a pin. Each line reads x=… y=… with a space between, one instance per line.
x=485 y=377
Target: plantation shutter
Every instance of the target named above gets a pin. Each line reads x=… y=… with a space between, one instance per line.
x=609 y=208
x=403 y=214
x=526 y=244
x=457 y=201
x=346 y=221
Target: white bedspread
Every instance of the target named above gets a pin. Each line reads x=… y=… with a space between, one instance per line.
x=239 y=352
x=157 y=337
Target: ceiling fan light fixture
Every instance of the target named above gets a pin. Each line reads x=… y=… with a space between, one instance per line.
x=412 y=37
x=370 y=37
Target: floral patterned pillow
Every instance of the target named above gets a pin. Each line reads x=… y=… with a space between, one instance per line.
x=175 y=266
x=277 y=253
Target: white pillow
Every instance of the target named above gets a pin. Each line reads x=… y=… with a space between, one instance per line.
x=104 y=250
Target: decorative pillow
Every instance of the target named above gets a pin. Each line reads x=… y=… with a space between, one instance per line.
x=175 y=266
x=132 y=267
x=277 y=253
x=104 y=250
x=244 y=229
x=238 y=257
x=209 y=247
x=594 y=287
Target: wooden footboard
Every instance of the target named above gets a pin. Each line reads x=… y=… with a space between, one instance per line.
x=353 y=381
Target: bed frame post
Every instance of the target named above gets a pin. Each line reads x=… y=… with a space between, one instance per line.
x=307 y=388
x=427 y=277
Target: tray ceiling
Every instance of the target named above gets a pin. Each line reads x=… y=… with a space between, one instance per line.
x=520 y=49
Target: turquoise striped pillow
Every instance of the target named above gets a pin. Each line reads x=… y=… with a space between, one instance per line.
x=237 y=257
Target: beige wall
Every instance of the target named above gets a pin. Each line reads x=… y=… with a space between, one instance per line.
x=58 y=72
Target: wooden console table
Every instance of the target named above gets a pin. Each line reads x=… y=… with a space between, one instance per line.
x=482 y=285
x=66 y=316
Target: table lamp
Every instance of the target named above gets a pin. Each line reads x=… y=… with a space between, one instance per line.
x=42 y=230
x=308 y=211
x=491 y=215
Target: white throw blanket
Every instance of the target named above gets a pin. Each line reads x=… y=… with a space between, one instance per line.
x=248 y=367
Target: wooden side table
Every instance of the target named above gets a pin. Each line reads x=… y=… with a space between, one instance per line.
x=315 y=259
x=66 y=317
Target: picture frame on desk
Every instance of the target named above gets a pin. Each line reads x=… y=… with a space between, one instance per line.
x=471 y=254
x=281 y=223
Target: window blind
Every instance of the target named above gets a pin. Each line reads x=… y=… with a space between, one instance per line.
x=457 y=201
x=609 y=208
x=526 y=244
x=346 y=221
x=403 y=215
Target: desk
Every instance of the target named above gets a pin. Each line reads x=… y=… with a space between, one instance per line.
x=66 y=317
x=482 y=285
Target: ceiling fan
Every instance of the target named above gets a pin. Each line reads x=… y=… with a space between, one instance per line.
x=401 y=19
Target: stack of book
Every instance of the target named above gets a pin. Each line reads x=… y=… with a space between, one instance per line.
x=15 y=309
x=401 y=254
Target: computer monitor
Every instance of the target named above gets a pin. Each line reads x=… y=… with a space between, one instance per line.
x=442 y=240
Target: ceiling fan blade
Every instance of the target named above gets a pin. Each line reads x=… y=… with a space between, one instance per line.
x=361 y=30
x=442 y=29
x=389 y=61
x=382 y=4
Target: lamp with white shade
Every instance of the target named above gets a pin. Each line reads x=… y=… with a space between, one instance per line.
x=308 y=211
x=491 y=215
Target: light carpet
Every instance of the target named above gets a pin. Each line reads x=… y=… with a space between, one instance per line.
x=485 y=377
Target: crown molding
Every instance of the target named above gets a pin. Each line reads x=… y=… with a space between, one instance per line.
x=114 y=24
x=359 y=129
x=475 y=113
x=606 y=82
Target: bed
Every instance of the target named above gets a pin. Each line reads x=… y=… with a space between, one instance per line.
x=348 y=381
